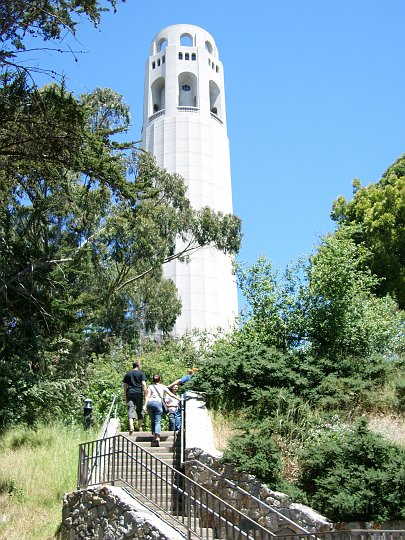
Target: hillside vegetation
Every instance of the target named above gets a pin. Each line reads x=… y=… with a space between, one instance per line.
x=320 y=351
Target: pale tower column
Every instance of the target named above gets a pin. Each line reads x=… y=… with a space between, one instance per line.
x=184 y=126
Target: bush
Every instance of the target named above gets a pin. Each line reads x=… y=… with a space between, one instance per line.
x=400 y=394
x=354 y=475
x=257 y=455
x=251 y=375
x=231 y=376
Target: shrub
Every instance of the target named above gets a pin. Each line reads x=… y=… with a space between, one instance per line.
x=400 y=394
x=230 y=376
x=354 y=475
x=257 y=455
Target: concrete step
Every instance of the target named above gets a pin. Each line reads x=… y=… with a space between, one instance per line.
x=139 y=436
x=175 y=519
x=163 y=494
x=167 y=450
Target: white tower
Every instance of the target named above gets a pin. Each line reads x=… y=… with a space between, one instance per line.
x=184 y=126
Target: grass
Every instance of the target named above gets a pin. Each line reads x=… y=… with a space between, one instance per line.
x=223 y=428
x=389 y=426
x=37 y=467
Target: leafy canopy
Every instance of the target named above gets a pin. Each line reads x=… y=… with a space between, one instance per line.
x=86 y=223
x=326 y=306
x=375 y=218
x=50 y=20
x=343 y=317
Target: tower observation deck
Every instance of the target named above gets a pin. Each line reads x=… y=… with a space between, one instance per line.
x=184 y=127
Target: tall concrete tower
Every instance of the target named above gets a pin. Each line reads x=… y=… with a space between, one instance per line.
x=184 y=126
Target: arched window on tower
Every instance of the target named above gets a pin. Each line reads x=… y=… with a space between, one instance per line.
x=186 y=40
x=208 y=46
x=187 y=56
x=158 y=95
x=180 y=56
x=188 y=90
x=215 y=99
x=193 y=56
x=162 y=44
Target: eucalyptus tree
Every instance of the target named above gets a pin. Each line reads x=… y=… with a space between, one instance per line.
x=42 y=24
x=86 y=223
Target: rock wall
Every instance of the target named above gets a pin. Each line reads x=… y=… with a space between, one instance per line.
x=109 y=513
x=200 y=447
x=303 y=516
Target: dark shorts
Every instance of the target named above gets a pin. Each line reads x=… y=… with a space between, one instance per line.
x=135 y=403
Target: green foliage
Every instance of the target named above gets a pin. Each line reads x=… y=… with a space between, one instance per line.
x=375 y=218
x=273 y=316
x=400 y=394
x=343 y=317
x=231 y=375
x=326 y=306
x=356 y=476
x=50 y=20
x=263 y=377
x=334 y=348
x=257 y=454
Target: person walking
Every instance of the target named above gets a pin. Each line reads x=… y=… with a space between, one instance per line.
x=154 y=405
x=174 y=410
x=183 y=380
x=134 y=392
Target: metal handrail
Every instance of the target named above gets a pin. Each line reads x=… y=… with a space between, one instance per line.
x=103 y=433
x=187 y=503
x=193 y=506
x=183 y=426
x=108 y=417
x=251 y=497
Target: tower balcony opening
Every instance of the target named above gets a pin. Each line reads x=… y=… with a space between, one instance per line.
x=215 y=100
x=186 y=40
x=188 y=92
x=158 y=95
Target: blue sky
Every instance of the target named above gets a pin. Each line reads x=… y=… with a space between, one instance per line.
x=315 y=94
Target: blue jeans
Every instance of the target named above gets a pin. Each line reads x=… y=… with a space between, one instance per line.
x=175 y=420
x=155 y=411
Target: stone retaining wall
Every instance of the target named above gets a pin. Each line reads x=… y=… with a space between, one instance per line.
x=200 y=446
x=108 y=513
x=302 y=515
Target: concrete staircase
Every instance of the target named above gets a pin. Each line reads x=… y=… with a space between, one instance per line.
x=151 y=475
x=150 y=493
x=168 y=450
